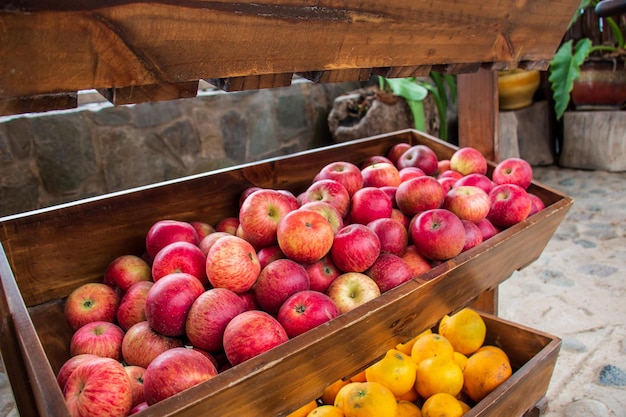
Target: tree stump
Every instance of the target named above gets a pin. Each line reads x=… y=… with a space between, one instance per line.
x=594 y=140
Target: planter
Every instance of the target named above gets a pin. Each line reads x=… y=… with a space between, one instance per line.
x=516 y=88
x=601 y=85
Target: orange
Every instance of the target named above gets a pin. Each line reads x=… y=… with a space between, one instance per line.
x=464 y=406
x=431 y=345
x=330 y=392
x=304 y=410
x=395 y=370
x=360 y=377
x=326 y=411
x=493 y=349
x=411 y=396
x=465 y=330
x=366 y=399
x=408 y=409
x=436 y=374
x=408 y=345
x=460 y=359
x=442 y=405
x=484 y=372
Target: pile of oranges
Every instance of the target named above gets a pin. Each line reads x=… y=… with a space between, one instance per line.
x=434 y=374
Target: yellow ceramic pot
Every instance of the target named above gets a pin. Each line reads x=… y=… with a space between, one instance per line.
x=516 y=88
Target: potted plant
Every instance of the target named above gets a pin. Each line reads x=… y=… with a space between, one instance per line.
x=606 y=60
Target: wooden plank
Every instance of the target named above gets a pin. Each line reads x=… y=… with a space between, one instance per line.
x=38 y=103
x=478 y=112
x=64 y=46
x=252 y=82
x=338 y=76
x=151 y=92
x=403 y=72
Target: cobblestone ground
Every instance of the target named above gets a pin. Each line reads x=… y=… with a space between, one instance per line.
x=575 y=290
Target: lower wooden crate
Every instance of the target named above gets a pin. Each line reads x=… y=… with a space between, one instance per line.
x=47 y=253
x=533 y=356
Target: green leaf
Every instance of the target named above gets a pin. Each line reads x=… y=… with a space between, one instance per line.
x=564 y=70
x=407 y=89
x=417 y=110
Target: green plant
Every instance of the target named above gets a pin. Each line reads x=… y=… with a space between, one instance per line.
x=566 y=63
x=414 y=91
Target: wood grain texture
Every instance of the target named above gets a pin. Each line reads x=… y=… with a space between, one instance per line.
x=150 y=92
x=67 y=46
x=90 y=233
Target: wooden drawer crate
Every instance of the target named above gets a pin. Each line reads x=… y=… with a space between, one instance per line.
x=47 y=253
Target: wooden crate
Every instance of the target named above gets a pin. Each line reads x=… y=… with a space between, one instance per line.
x=47 y=253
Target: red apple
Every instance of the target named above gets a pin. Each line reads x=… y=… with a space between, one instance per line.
x=126 y=270
x=351 y=290
x=370 y=203
x=132 y=308
x=513 y=171
x=174 y=371
x=328 y=191
x=180 y=257
x=97 y=388
x=537 y=204
x=419 y=194
x=487 y=229
x=329 y=212
x=393 y=236
x=380 y=174
x=208 y=241
x=410 y=172
x=245 y=193
x=69 y=365
x=260 y=214
x=91 y=302
x=209 y=315
x=101 y=338
x=355 y=248
x=447 y=183
x=202 y=229
x=251 y=333
x=306 y=310
x=305 y=236
x=400 y=217
x=468 y=160
x=468 y=203
x=391 y=193
x=321 y=273
x=164 y=232
x=420 y=156
x=476 y=180
x=416 y=261
x=346 y=173
x=397 y=150
x=374 y=159
x=232 y=263
x=136 y=374
x=139 y=407
x=438 y=234
x=473 y=235
x=228 y=225
x=249 y=300
x=278 y=281
x=169 y=300
x=141 y=344
x=443 y=165
x=389 y=271
x=270 y=253
x=450 y=173
x=510 y=204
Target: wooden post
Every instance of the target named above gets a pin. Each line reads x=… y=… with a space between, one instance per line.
x=478 y=111
x=478 y=128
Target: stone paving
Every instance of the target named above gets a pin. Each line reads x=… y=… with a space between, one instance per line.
x=575 y=290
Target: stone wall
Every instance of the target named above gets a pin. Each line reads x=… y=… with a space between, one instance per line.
x=57 y=157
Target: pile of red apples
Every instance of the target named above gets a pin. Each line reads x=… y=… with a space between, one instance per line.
x=203 y=298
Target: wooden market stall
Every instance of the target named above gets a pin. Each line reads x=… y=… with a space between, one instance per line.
x=147 y=51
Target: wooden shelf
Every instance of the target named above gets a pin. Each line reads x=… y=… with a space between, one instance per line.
x=60 y=47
